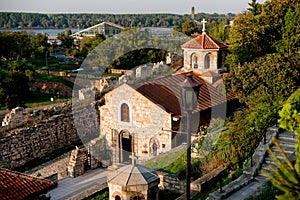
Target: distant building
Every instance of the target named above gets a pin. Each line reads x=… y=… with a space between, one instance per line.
x=105 y=28
x=53 y=40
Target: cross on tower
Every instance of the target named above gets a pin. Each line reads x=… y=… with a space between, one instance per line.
x=203 y=22
x=133 y=158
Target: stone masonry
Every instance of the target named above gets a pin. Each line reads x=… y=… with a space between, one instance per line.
x=77 y=162
x=20 y=146
x=146 y=121
x=171 y=182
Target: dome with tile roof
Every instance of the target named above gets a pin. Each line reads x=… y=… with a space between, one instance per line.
x=133 y=182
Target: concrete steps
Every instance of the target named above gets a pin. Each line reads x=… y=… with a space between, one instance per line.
x=287 y=142
x=263 y=161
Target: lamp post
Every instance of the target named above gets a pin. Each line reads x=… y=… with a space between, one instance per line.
x=189 y=90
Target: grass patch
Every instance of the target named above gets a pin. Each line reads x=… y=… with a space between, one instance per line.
x=67 y=67
x=174 y=163
x=52 y=78
x=54 y=64
x=163 y=160
x=102 y=195
x=39 y=63
x=110 y=74
x=42 y=99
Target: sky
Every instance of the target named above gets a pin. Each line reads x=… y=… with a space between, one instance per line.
x=125 y=6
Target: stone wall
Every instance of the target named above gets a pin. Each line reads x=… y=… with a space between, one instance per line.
x=56 y=167
x=15 y=118
x=51 y=73
x=20 y=146
x=171 y=182
x=19 y=116
x=49 y=87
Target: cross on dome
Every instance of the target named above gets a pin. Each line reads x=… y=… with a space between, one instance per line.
x=203 y=22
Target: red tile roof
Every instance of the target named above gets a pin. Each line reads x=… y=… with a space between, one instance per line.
x=204 y=41
x=166 y=92
x=14 y=185
x=210 y=74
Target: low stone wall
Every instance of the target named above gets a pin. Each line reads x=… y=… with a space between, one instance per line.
x=171 y=182
x=49 y=87
x=56 y=167
x=26 y=144
x=51 y=73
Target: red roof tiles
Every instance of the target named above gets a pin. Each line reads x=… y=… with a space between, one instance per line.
x=204 y=41
x=166 y=92
x=210 y=74
x=14 y=185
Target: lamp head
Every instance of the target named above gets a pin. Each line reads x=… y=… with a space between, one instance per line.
x=189 y=90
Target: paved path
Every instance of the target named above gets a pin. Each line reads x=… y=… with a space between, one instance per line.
x=69 y=188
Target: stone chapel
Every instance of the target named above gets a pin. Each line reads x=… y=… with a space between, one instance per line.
x=144 y=118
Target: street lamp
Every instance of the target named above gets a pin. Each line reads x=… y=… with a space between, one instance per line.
x=189 y=90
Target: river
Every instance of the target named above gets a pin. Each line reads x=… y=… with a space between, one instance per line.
x=52 y=32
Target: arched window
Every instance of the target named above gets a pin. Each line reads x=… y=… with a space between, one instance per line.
x=195 y=61
x=207 y=61
x=125 y=113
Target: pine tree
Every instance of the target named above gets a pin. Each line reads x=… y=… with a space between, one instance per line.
x=287 y=176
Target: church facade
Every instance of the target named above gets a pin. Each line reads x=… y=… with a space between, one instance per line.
x=132 y=123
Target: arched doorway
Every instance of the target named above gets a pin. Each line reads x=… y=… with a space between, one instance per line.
x=126 y=146
x=117 y=197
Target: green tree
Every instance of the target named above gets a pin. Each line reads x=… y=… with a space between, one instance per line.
x=66 y=39
x=87 y=44
x=263 y=73
x=290 y=42
x=267 y=78
x=189 y=27
x=14 y=88
x=219 y=31
x=15 y=45
x=39 y=45
x=287 y=176
x=262 y=86
x=257 y=34
x=255 y=7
